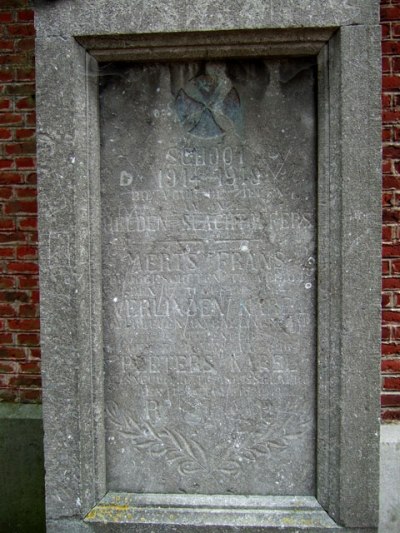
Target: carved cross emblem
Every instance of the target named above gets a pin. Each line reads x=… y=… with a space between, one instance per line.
x=209 y=106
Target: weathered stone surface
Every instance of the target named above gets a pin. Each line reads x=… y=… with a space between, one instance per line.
x=99 y=17
x=208 y=207
x=72 y=228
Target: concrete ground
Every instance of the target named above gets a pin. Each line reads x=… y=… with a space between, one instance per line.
x=390 y=479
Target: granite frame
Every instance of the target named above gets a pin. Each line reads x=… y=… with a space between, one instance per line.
x=72 y=37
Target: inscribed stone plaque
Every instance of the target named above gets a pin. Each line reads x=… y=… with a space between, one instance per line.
x=209 y=287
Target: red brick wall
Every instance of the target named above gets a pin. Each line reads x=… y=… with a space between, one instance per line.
x=390 y=18
x=19 y=295
x=19 y=322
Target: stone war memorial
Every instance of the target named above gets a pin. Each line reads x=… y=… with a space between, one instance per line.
x=210 y=264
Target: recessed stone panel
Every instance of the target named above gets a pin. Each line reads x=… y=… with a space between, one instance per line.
x=208 y=180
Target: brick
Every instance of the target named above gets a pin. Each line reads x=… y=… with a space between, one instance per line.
x=390 y=13
x=27 y=252
x=28 y=224
x=390 y=117
x=25 y=162
x=27 y=102
x=11 y=177
x=10 y=352
x=396 y=333
x=6 y=16
x=5 y=134
x=6 y=164
x=13 y=296
x=391 y=365
x=25 y=15
x=392 y=151
x=391 y=316
x=7 y=282
x=5 y=104
x=6 y=193
x=30 y=119
x=8 y=367
x=28 y=282
x=387 y=134
x=390 y=415
x=395 y=27
x=28 y=339
x=12 y=59
x=31 y=178
x=23 y=267
x=395 y=62
x=17 y=207
x=30 y=367
x=20 y=89
x=7 y=310
x=21 y=148
x=386 y=33
x=387 y=233
x=386 y=300
x=391 y=82
x=385 y=333
x=27 y=44
x=390 y=349
x=35 y=297
x=386 y=267
x=389 y=250
x=11 y=119
x=387 y=168
x=6 y=380
x=6 y=45
x=20 y=30
x=7 y=253
x=28 y=310
x=6 y=75
x=16 y=236
x=391 y=383
x=9 y=395
x=396 y=134
x=14 y=4
x=387 y=98
x=30 y=395
x=24 y=324
x=35 y=353
x=390 y=400
x=25 y=380
x=395 y=266
x=6 y=338
x=391 y=48
x=24 y=74
x=33 y=237
x=26 y=192
x=387 y=198
x=24 y=133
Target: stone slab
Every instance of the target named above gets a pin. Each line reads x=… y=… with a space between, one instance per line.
x=70 y=251
x=209 y=289
x=97 y=17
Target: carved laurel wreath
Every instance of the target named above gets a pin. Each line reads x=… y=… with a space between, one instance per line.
x=190 y=458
